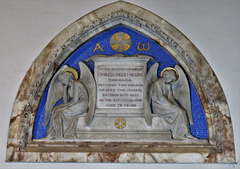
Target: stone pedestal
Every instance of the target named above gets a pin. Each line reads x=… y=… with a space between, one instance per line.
x=119 y=115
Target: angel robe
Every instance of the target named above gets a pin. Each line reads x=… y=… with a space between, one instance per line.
x=164 y=104
x=65 y=116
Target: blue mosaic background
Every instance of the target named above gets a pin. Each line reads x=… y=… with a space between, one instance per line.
x=198 y=129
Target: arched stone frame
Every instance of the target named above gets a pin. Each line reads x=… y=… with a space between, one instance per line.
x=221 y=145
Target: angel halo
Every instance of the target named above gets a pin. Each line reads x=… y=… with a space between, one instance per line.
x=71 y=70
x=170 y=69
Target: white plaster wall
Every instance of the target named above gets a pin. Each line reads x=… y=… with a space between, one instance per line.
x=26 y=26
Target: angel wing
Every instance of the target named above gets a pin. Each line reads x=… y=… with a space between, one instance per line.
x=151 y=77
x=55 y=93
x=181 y=92
x=87 y=78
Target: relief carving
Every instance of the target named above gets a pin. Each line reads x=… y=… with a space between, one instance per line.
x=169 y=96
x=77 y=95
x=166 y=98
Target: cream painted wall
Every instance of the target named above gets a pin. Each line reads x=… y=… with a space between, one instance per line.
x=26 y=26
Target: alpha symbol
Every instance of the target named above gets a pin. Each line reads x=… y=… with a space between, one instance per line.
x=143 y=47
x=98 y=47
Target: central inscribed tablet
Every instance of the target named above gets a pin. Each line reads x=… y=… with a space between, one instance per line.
x=120 y=82
x=120 y=90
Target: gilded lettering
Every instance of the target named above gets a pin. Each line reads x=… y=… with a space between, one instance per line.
x=143 y=47
x=98 y=47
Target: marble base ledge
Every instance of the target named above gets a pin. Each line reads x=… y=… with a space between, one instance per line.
x=155 y=147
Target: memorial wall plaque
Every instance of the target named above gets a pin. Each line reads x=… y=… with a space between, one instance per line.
x=122 y=85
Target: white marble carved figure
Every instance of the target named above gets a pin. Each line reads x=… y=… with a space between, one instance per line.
x=64 y=118
x=163 y=93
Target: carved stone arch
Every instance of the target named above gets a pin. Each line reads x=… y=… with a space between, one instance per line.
x=220 y=147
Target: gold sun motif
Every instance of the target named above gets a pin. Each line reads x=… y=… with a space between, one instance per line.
x=120 y=123
x=120 y=42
